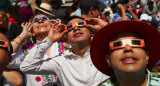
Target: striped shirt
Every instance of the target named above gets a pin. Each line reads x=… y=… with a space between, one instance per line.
x=72 y=70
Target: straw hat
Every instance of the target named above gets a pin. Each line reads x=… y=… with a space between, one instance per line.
x=46 y=8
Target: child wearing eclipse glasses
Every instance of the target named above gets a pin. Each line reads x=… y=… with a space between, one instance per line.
x=126 y=51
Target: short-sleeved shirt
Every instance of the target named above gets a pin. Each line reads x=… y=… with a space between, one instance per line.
x=153 y=80
x=117 y=17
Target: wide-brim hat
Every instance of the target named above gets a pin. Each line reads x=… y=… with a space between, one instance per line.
x=45 y=8
x=100 y=41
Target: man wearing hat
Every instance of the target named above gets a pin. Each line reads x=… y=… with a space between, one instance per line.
x=125 y=51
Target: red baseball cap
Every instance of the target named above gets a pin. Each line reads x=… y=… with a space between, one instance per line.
x=99 y=44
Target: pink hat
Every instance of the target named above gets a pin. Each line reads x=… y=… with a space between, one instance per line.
x=23 y=4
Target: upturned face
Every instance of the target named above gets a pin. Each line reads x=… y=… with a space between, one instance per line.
x=78 y=34
x=4 y=53
x=128 y=59
x=41 y=25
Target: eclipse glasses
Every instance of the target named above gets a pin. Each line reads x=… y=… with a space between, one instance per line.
x=72 y=26
x=122 y=43
x=38 y=18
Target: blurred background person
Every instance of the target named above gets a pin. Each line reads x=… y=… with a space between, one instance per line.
x=150 y=9
x=124 y=11
x=11 y=30
x=25 y=12
x=59 y=12
x=15 y=16
x=4 y=59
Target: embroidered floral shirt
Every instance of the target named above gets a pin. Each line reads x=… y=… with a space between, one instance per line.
x=34 y=79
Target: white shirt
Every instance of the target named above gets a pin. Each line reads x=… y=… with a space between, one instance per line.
x=41 y=80
x=72 y=70
x=34 y=79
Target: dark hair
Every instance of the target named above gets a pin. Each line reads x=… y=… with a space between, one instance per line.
x=150 y=3
x=74 y=17
x=85 y=5
x=58 y=3
x=73 y=7
x=122 y=2
x=13 y=10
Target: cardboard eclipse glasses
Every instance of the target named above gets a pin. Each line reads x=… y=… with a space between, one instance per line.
x=3 y=43
x=70 y=27
x=122 y=43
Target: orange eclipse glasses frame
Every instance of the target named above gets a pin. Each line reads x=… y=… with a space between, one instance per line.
x=4 y=43
x=122 y=43
x=70 y=27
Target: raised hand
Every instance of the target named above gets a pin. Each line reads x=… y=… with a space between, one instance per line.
x=129 y=5
x=120 y=7
x=27 y=27
x=95 y=23
x=56 y=32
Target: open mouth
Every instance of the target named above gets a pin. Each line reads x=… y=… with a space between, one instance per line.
x=42 y=26
x=129 y=60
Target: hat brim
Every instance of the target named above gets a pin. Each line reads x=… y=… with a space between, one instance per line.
x=45 y=12
x=67 y=5
x=99 y=44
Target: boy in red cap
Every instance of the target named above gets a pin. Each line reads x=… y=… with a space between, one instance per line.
x=125 y=51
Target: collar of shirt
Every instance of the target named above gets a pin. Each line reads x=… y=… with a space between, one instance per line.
x=70 y=52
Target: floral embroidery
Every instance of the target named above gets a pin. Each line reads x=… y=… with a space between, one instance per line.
x=62 y=46
x=38 y=79
x=26 y=46
x=48 y=80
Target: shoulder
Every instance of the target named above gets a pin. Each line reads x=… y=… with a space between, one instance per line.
x=155 y=75
x=154 y=78
x=107 y=82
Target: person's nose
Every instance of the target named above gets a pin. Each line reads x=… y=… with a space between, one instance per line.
x=127 y=48
x=40 y=20
x=76 y=28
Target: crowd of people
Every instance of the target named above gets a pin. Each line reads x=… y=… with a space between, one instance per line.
x=79 y=42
